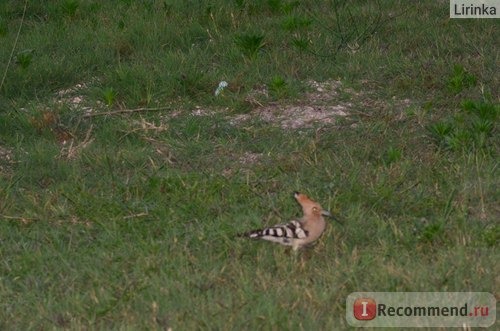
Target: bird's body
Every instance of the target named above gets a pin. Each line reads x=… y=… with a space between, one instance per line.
x=296 y=233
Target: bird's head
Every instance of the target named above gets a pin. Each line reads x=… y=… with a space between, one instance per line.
x=309 y=207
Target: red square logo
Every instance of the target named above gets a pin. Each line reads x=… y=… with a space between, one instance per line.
x=365 y=309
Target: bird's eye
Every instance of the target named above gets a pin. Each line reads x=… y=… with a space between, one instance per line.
x=315 y=209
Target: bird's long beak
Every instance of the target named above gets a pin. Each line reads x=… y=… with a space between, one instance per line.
x=326 y=213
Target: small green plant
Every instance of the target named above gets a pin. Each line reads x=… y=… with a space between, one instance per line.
x=121 y=24
x=24 y=58
x=3 y=28
x=432 y=232
x=302 y=44
x=483 y=110
x=460 y=79
x=440 y=131
x=459 y=139
x=482 y=126
x=292 y=23
x=275 y=5
x=392 y=154
x=192 y=83
x=470 y=129
x=288 y=7
x=250 y=44
x=109 y=96
x=278 y=87
x=69 y=7
x=491 y=236
x=148 y=94
x=240 y=3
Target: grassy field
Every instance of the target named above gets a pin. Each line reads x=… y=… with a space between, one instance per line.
x=124 y=179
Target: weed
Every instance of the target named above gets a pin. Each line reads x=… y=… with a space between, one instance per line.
x=276 y=5
x=491 y=236
x=250 y=44
x=472 y=129
x=458 y=140
x=483 y=110
x=301 y=43
x=460 y=79
x=482 y=126
x=69 y=7
x=240 y=3
x=3 y=28
x=432 y=232
x=193 y=83
x=24 y=58
x=440 y=131
x=109 y=96
x=292 y=23
x=289 y=6
x=392 y=155
x=278 y=87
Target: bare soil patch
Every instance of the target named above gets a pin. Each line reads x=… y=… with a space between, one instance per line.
x=324 y=104
x=6 y=159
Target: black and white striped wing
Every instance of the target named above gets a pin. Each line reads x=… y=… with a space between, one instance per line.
x=284 y=234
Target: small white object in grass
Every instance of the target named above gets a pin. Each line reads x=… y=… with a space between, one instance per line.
x=221 y=86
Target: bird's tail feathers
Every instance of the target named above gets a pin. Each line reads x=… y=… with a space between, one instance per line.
x=250 y=234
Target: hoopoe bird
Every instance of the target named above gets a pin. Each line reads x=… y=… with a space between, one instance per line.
x=296 y=233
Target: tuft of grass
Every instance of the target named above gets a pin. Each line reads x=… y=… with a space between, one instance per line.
x=24 y=58
x=3 y=28
x=250 y=44
x=109 y=96
x=472 y=129
x=292 y=23
x=491 y=236
x=483 y=110
x=460 y=79
x=433 y=232
x=440 y=131
x=70 y=7
x=392 y=155
x=193 y=83
x=278 y=87
x=301 y=43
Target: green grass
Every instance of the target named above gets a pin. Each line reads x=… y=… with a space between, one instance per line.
x=128 y=220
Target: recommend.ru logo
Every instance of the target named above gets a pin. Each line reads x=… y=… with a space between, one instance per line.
x=421 y=309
